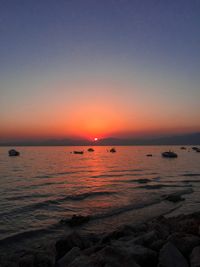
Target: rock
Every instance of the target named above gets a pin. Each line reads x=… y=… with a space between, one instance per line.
x=113 y=256
x=119 y=233
x=66 y=244
x=82 y=261
x=186 y=224
x=175 y=198
x=146 y=239
x=93 y=249
x=76 y=220
x=43 y=260
x=157 y=245
x=27 y=261
x=195 y=257
x=144 y=256
x=69 y=257
x=184 y=243
x=161 y=226
x=170 y=256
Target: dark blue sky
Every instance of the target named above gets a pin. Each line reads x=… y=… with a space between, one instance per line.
x=151 y=45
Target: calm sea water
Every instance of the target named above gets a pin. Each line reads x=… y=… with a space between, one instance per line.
x=47 y=184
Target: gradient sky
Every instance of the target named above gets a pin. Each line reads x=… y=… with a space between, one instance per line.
x=99 y=68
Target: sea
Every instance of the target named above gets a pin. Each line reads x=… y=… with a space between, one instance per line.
x=45 y=185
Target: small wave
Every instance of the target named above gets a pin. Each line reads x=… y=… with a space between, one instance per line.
x=88 y=194
x=159 y=186
x=123 y=209
x=54 y=203
x=120 y=210
x=140 y=181
x=114 y=175
x=191 y=181
x=191 y=174
x=24 y=235
x=27 y=196
x=42 y=176
x=128 y=170
x=156 y=178
x=180 y=193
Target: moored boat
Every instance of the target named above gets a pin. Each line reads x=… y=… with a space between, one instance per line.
x=90 y=149
x=113 y=150
x=78 y=152
x=13 y=153
x=169 y=154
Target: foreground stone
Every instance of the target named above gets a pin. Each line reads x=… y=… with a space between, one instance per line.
x=171 y=256
x=195 y=257
x=161 y=242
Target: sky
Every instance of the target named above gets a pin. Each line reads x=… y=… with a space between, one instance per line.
x=99 y=68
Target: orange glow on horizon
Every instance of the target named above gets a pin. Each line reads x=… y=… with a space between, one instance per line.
x=92 y=112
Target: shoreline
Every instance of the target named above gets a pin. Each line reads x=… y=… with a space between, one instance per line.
x=162 y=241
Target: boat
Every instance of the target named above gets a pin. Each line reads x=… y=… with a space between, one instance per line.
x=149 y=155
x=13 y=153
x=90 y=150
x=113 y=150
x=195 y=148
x=78 y=152
x=198 y=150
x=169 y=154
x=183 y=148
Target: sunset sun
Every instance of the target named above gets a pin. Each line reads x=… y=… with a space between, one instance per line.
x=95 y=139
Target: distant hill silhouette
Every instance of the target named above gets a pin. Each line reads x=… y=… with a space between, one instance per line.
x=187 y=139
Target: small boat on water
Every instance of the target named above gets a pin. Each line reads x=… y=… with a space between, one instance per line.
x=198 y=150
x=169 y=154
x=112 y=150
x=90 y=150
x=195 y=148
x=183 y=148
x=78 y=152
x=13 y=153
x=149 y=155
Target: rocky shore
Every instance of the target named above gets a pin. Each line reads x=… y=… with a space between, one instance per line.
x=162 y=242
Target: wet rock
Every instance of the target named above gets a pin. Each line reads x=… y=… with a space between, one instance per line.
x=195 y=257
x=76 y=220
x=72 y=240
x=170 y=256
x=185 y=243
x=175 y=198
x=69 y=257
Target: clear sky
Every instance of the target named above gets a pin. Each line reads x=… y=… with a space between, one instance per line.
x=99 y=68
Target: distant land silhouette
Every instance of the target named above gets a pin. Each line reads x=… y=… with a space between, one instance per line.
x=187 y=139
